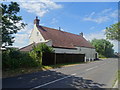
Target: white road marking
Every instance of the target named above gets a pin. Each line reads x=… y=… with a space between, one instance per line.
x=52 y=82
x=91 y=68
x=94 y=67
x=61 y=78
x=103 y=64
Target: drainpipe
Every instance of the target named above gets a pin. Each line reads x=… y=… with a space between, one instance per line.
x=85 y=59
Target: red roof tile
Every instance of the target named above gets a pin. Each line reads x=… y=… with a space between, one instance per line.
x=63 y=39
x=27 y=48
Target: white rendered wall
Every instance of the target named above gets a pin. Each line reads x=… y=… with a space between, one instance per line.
x=36 y=36
x=48 y=42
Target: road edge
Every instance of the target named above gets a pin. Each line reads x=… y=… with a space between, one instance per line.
x=116 y=84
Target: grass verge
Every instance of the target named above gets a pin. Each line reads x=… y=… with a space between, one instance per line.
x=117 y=78
x=20 y=71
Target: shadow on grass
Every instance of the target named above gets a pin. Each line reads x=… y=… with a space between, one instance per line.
x=43 y=77
x=20 y=71
x=62 y=65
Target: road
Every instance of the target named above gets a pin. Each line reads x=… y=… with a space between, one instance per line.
x=97 y=74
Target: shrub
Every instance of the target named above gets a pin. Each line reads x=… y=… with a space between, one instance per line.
x=12 y=59
x=27 y=60
x=38 y=51
x=101 y=56
x=5 y=59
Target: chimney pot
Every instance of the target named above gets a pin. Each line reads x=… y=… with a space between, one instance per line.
x=81 y=34
x=36 y=21
x=59 y=28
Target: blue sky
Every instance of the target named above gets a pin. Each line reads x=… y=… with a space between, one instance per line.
x=91 y=18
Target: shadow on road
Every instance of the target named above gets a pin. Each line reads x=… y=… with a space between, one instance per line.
x=43 y=77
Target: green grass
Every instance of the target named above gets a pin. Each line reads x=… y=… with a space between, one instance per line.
x=62 y=65
x=19 y=71
x=119 y=76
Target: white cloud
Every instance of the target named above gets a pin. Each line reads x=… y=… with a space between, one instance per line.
x=97 y=20
x=106 y=10
x=39 y=7
x=114 y=14
x=97 y=35
x=93 y=13
x=27 y=29
x=115 y=43
x=101 y=35
x=103 y=16
x=54 y=21
x=78 y=0
x=22 y=37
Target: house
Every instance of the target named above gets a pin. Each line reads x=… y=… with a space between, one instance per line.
x=61 y=41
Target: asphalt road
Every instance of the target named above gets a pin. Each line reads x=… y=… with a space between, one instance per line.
x=97 y=74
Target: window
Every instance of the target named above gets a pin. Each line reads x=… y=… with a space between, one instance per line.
x=37 y=33
x=40 y=39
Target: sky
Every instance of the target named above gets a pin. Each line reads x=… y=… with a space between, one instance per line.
x=91 y=18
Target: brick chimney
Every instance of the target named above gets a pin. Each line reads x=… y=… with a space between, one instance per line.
x=81 y=34
x=36 y=21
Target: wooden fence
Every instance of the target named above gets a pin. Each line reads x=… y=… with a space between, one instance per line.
x=59 y=58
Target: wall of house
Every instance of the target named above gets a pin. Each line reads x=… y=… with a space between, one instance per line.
x=89 y=52
x=48 y=42
x=36 y=36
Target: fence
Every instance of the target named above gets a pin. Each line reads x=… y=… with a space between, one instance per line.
x=59 y=58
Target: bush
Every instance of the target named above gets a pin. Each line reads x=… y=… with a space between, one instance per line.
x=12 y=59
x=38 y=51
x=101 y=56
x=28 y=61
x=5 y=59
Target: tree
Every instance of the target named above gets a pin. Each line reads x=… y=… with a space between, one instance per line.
x=113 y=32
x=38 y=51
x=103 y=47
x=10 y=21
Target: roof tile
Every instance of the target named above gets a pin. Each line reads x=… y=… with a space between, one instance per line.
x=63 y=39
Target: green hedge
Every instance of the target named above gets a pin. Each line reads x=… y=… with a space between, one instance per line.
x=12 y=59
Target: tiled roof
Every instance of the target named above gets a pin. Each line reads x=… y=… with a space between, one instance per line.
x=63 y=39
x=27 y=48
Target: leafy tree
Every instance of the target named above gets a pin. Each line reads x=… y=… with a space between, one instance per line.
x=113 y=32
x=103 y=47
x=38 y=51
x=42 y=47
x=10 y=21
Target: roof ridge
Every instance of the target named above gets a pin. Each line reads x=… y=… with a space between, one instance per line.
x=58 y=37
x=60 y=30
